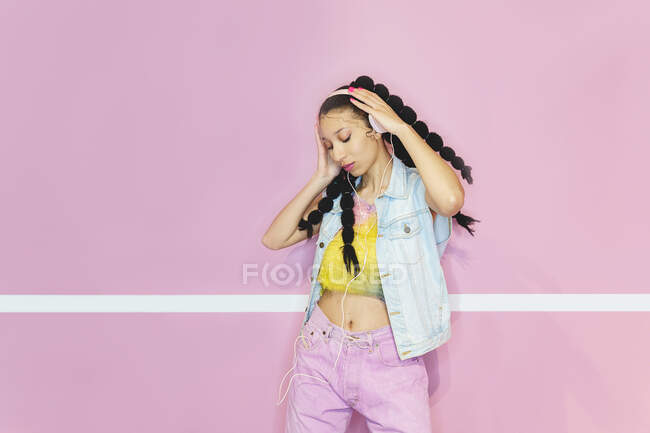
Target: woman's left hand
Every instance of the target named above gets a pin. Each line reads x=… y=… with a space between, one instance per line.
x=371 y=103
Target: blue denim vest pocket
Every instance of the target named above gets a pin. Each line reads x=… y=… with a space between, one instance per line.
x=403 y=231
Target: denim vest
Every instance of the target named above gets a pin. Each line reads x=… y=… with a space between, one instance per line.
x=409 y=246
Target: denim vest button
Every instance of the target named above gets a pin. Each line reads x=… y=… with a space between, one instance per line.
x=403 y=224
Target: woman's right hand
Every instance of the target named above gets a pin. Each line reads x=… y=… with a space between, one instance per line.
x=326 y=169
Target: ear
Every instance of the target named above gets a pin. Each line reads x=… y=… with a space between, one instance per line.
x=389 y=147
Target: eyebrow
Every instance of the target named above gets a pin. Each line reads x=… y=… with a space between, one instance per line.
x=335 y=132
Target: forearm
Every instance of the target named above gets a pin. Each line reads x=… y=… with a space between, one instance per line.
x=286 y=222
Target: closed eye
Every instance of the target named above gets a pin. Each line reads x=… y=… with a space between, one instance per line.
x=344 y=141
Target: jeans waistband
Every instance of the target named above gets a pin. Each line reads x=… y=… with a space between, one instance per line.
x=319 y=322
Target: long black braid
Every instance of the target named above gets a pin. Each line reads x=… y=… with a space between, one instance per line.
x=340 y=185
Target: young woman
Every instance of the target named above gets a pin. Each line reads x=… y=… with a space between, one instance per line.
x=378 y=298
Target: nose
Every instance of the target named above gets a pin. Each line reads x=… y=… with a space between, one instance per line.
x=337 y=154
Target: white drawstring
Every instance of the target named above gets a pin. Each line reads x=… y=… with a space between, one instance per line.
x=295 y=374
x=363 y=344
x=366 y=343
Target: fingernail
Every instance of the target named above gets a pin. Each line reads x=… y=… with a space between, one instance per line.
x=351 y=89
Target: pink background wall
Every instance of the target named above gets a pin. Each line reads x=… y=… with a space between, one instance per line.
x=145 y=148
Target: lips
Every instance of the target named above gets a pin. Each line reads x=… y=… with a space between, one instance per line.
x=348 y=167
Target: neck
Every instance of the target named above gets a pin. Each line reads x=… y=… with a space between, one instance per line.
x=372 y=178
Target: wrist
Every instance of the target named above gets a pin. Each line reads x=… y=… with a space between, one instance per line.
x=319 y=181
x=403 y=130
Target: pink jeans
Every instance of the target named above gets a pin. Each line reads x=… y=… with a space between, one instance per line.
x=369 y=377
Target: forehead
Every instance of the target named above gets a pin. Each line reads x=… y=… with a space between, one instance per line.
x=335 y=120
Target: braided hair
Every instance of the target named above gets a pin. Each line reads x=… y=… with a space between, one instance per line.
x=340 y=184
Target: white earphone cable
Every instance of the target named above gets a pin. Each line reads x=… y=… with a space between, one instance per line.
x=381 y=183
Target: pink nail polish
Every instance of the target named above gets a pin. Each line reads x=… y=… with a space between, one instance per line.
x=351 y=89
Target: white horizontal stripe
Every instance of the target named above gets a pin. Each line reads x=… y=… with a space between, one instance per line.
x=550 y=302
x=297 y=303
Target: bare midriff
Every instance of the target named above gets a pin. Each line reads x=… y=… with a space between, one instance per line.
x=364 y=309
x=362 y=313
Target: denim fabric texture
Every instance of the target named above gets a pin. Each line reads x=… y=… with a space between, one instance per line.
x=408 y=247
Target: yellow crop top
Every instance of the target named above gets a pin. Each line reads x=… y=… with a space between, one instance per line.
x=333 y=274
